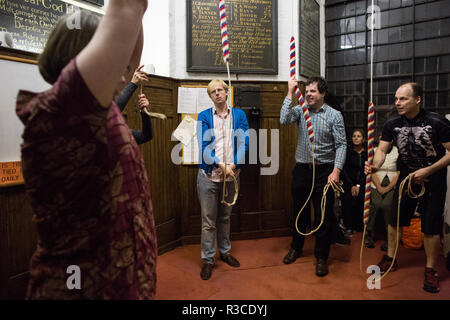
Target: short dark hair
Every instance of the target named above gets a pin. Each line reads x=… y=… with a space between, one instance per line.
x=322 y=84
x=417 y=89
x=64 y=44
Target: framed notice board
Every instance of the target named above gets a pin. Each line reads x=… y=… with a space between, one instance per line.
x=30 y=22
x=309 y=38
x=252 y=34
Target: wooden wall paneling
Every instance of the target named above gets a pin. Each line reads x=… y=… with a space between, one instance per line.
x=263 y=205
x=18 y=240
x=272 y=96
x=276 y=188
x=248 y=216
x=4 y=252
x=163 y=174
x=189 y=206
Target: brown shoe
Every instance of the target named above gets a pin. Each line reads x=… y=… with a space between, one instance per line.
x=386 y=262
x=206 y=272
x=291 y=256
x=431 y=282
x=321 y=267
x=230 y=260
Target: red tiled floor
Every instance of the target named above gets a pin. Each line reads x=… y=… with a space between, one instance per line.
x=263 y=276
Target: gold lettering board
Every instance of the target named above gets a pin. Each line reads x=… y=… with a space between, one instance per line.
x=252 y=35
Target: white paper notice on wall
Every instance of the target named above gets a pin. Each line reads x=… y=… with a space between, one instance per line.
x=186 y=130
x=203 y=101
x=193 y=99
x=187 y=100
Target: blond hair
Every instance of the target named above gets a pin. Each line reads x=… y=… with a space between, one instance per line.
x=214 y=82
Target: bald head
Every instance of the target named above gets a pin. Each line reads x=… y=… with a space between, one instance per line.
x=408 y=98
x=417 y=90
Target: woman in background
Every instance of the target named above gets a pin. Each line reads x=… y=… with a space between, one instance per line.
x=354 y=182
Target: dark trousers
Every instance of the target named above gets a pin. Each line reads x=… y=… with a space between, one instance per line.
x=430 y=206
x=301 y=186
x=352 y=209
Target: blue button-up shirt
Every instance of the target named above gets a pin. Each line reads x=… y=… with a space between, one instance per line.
x=330 y=145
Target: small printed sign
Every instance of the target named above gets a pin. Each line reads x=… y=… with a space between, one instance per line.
x=10 y=173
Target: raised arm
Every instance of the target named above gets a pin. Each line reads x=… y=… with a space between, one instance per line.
x=290 y=115
x=123 y=98
x=115 y=47
x=146 y=134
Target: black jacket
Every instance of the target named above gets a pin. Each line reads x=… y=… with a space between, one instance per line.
x=353 y=172
x=146 y=133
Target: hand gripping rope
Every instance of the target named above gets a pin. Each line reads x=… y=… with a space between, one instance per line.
x=157 y=115
x=226 y=59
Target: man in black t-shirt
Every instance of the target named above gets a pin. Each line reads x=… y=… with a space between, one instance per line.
x=422 y=137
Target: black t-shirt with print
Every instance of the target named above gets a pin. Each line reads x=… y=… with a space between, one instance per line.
x=419 y=141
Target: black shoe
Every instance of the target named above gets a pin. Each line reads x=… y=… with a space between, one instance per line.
x=230 y=260
x=368 y=242
x=349 y=232
x=206 y=272
x=341 y=239
x=321 y=267
x=291 y=256
x=384 y=247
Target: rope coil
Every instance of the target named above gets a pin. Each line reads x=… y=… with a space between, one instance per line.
x=336 y=187
x=225 y=192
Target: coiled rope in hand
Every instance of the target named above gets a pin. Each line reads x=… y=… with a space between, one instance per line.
x=337 y=187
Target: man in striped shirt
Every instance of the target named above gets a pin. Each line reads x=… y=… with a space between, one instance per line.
x=329 y=156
